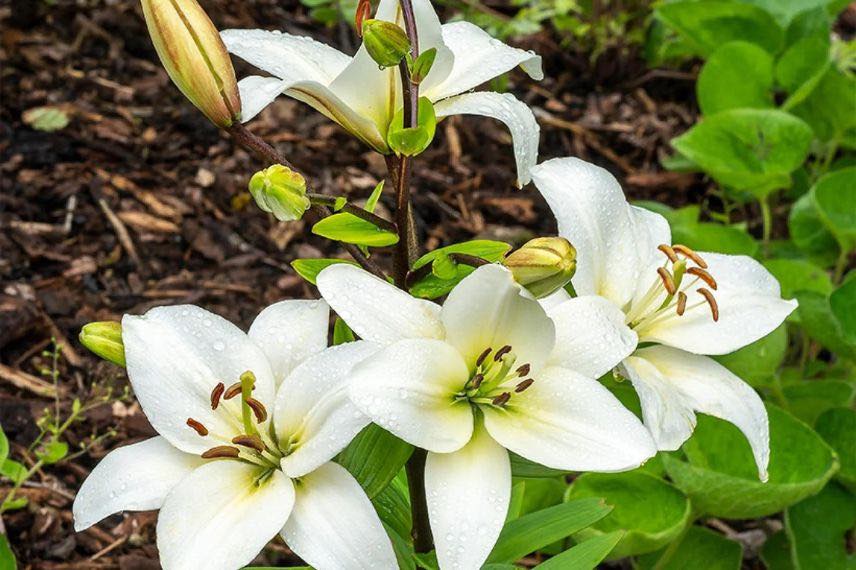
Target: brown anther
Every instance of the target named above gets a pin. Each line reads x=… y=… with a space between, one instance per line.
x=708 y=296
x=232 y=391
x=704 y=276
x=477 y=380
x=682 y=303
x=502 y=399
x=687 y=252
x=482 y=356
x=667 y=280
x=216 y=393
x=364 y=12
x=198 y=427
x=523 y=385
x=502 y=352
x=670 y=253
x=221 y=451
x=523 y=370
x=258 y=409
x=251 y=441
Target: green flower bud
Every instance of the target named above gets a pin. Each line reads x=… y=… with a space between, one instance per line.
x=543 y=265
x=280 y=191
x=190 y=48
x=386 y=42
x=104 y=339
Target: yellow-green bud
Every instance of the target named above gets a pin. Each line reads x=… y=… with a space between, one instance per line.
x=543 y=265
x=280 y=191
x=386 y=42
x=104 y=339
x=190 y=48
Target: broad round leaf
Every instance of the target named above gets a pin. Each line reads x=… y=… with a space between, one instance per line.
x=737 y=75
x=817 y=528
x=699 y=548
x=835 y=199
x=757 y=362
x=838 y=427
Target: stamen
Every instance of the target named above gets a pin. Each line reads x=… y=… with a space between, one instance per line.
x=501 y=352
x=708 y=296
x=258 y=409
x=523 y=370
x=523 y=385
x=216 y=393
x=477 y=380
x=666 y=278
x=704 y=276
x=687 y=252
x=198 y=427
x=502 y=399
x=482 y=356
x=670 y=253
x=682 y=303
x=221 y=451
x=232 y=391
x=251 y=441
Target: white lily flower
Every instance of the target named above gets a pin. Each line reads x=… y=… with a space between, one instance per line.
x=362 y=98
x=473 y=379
x=225 y=476
x=685 y=303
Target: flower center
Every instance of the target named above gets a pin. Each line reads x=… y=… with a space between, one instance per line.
x=679 y=278
x=496 y=378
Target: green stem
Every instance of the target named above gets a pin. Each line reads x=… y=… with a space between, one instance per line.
x=767 y=220
x=840 y=266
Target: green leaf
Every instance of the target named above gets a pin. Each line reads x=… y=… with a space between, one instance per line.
x=515 y=504
x=651 y=511
x=351 y=229
x=737 y=75
x=784 y=11
x=342 y=333
x=808 y=399
x=7 y=557
x=705 y=26
x=46 y=119
x=842 y=301
x=838 y=427
x=753 y=150
x=310 y=268
x=443 y=267
x=14 y=471
x=584 y=556
x=4 y=445
x=699 y=548
x=371 y=203
x=706 y=236
x=431 y=286
x=402 y=548
x=776 y=553
x=798 y=275
x=828 y=108
x=817 y=528
x=522 y=467
x=801 y=68
x=721 y=478
x=53 y=451
x=757 y=362
x=810 y=234
x=823 y=325
x=412 y=141
x=374 y=458
x=835 y=199
x=531 y=532
x=393 y=505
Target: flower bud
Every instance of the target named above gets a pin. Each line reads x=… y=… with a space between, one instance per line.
x=280 y=191
x=386 y=42
x=195 y=58
x=543 y=265
x=104 y=339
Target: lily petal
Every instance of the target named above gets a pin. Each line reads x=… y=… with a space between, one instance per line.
x=749 y=304
x=334 y=525
x=615 y=243
x=218 y=517
x=135 y=477
x=175 y=357
x=468 y=492
x=489 y=309
x=289 y=332
x=672 y=384
x=591 y=337
x=516 y=115
x=313 y=414
x=409 y=389
x=376 y=310
x=570 y=422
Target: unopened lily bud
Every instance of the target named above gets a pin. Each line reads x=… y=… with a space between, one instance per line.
x=386 y=42
x=104 y=339
x=280 y=191
x=543 y=265
x=363 y=12
x=190 y=48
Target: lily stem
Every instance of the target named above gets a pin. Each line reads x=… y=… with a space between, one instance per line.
x=767 y=221
x=422 y=539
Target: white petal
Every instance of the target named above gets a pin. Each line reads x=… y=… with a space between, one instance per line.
x=479 y=58
x=676 y=382
x=289 y=332
x=258 y=92
x=489 y=309
x=553 y=300
x=615 y=243
x=750 y=307
x=516 y=115
x=175 y=357
x=135 y=477
x=219 y=518
x=409 y=389
x=468 y=492
x=376 y=310
x=591 y=337
x=567 y=421
x=313 y=410
x=334 y=525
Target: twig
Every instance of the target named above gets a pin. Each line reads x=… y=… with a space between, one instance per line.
x=118 y=226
